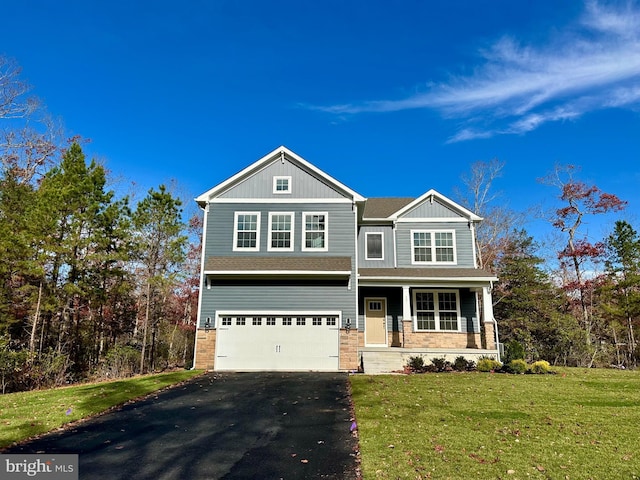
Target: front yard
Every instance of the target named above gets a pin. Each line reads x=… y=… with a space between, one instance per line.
x=577 y=424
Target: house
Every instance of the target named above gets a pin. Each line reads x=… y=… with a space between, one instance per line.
x=300 y=272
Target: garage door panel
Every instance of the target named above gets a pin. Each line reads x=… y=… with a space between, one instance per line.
x=285 y=343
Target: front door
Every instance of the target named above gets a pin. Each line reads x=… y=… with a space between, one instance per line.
x=375 y=324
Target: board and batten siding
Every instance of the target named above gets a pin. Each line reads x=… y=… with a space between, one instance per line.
x=303 y=184
x=428 y=209
x=463 y=242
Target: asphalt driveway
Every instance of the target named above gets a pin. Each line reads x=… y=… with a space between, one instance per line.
x=220 y=426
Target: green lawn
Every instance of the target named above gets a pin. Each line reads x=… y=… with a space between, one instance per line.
x=578 y=424
x=26 y=414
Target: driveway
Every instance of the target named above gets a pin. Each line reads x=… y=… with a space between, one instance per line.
x=220 y=426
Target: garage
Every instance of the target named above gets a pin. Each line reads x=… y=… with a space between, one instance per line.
x=300 y=341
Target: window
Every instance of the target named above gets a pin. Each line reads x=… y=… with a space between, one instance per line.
x=301 y=321
x=241 y=321
x=433 y=247
x=271 y=320
x=314 y=231
x=375 y=306
x=374 y=246
x=286 y=320
x=246 y=232
x=317 y=320
x=281 y=231
x=436 y=310
x=331 y=321
x=257 y=321
x=281 y=184
x=226 y=321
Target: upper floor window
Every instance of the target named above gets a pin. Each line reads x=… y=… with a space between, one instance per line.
x=314 y=231
x=246 y=231
x=281 y=184
x=280 y=231
x=374 y=246
x=433 y=246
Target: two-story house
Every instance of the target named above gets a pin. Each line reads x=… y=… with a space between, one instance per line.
x=299 y=272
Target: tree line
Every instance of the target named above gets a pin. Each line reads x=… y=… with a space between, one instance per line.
x=90 y=284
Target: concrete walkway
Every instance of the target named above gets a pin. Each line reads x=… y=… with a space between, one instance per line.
x=220 y=426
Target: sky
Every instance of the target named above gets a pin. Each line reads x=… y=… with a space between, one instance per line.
x=390 y=98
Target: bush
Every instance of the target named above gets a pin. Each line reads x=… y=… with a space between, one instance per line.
x=488 y=364
x=540 y=367
x=516 y=366
x=440 y=365
x=416 y=364
x=461 y=364
x=513 y=351
x=121 y=361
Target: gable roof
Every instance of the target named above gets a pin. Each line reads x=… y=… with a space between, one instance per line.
x=434 y=195
x=279 y=153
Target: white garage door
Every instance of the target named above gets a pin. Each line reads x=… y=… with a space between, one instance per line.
x=293 y=342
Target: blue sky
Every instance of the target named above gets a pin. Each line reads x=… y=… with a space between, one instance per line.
x=392 y=99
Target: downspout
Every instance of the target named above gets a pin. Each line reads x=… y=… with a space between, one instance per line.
x=354 y=208
x=202 y=258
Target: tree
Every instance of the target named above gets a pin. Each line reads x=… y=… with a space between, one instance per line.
x=528 y=307
x=578 y=254
x=621 y=298
x=161 y=247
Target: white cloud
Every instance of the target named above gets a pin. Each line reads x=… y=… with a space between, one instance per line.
x=520 y=87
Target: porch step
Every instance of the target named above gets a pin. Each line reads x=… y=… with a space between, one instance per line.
x=382 y=361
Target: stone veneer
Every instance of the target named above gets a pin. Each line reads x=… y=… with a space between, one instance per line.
x=439 y=339
x=349 y=342
x=205 y=349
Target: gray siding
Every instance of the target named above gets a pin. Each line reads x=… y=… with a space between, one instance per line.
x=388 y=253
x=427 y=209
x=464 y=241
x=303 y=184
x=340 y=225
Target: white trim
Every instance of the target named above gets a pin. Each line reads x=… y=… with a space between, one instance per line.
x=303 y=242
x=436 y=302
x=433 y=246
x=386 y=322
x=281 y=200
x=290 y=248
x=444 y=200
x=433 y=220
x=235 y=233
x=366 y=246
x=275 y=184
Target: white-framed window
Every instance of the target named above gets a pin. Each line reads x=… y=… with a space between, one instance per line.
x=286 y=321
x=301 y=321
x=280 y=231
x=246 y=231
x=282 y=184
x=257 y=321
x=314 y=231
x=241 y=321
x=226 y=321
x=433 y=247
x=271 y=321
x=437 y=310
x=331 y=321
x=374 y=249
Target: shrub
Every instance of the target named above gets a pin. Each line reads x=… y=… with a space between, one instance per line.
x=461 y=364
x=416 y=364
x=488 y=364
x=513 y=351
x=541 y=366
x=516 y=366
x=441 y=364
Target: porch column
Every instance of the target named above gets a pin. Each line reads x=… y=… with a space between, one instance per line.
x=487 y=317
x=406 y=303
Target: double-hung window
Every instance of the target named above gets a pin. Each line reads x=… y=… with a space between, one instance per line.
x=280 y=231
x=437 y=310
x=246 y=231
x=374 y=246
x=314 y=232
x=433 y=247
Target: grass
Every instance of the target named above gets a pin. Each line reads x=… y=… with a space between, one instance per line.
x=27 y=414
x=578 y=424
